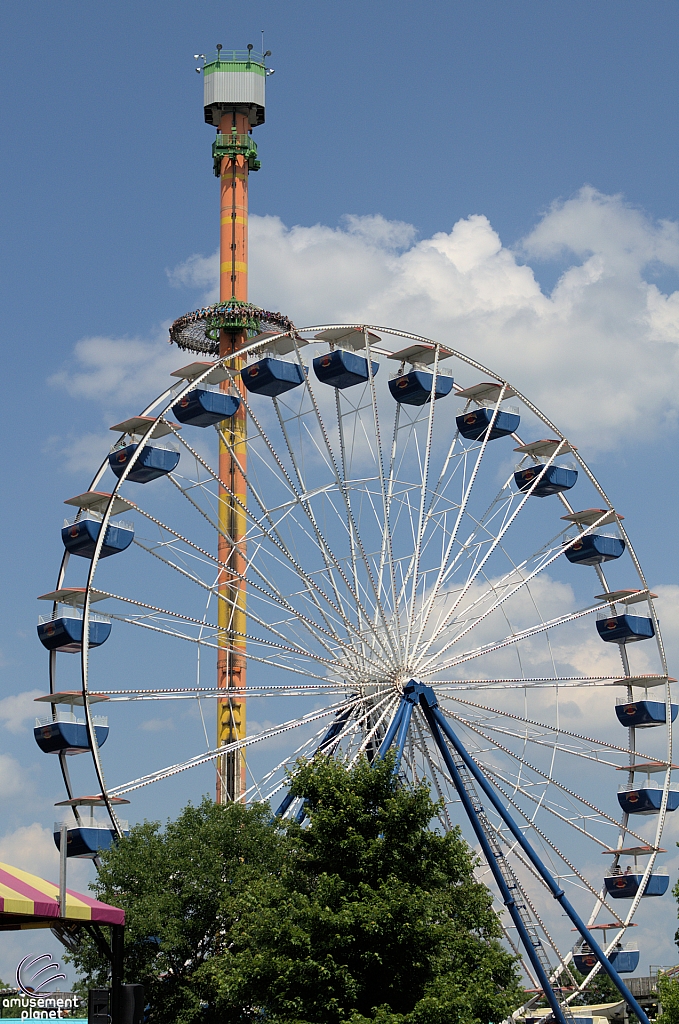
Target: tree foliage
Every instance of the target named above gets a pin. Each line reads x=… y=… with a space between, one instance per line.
x=364 y=914
x=668 y=996
x=178 y=887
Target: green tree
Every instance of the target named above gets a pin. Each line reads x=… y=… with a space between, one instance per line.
x=373 y=916
x=668 y=996
x=178 y=888
x=364 y=914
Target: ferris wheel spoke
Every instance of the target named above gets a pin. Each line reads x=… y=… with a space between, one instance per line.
x=326 y=448
x=494 y=587
x=471 y=549
x=498 y=782
x=547 y=560
x=352 y=727
x=552 y=745
x=424 y=481
x=332 y=564
x=330 y=644
x=343 y=462
x=356 y=725
x=316 y=593
x=232 y=604
x=280 y=545
x=375 y=731
x=266 y=586
x=527 y=683
x=491 y=648
x=215 y=630
x=227 y=748
x=503 y=530
x=386 y=560
x=499 y=712
x=374 y=445
x=602 y=815
x=426 y=611
x=390 y=703
x=302 y=668
x=324 y=547
x=203 y=692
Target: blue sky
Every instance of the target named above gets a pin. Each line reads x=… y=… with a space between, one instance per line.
x=499 y=174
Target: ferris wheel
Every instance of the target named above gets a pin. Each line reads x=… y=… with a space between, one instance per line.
x=441 y=577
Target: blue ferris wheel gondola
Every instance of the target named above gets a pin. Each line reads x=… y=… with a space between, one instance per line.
x=204 y=408
x=65 y=633
x=624 y=629
x=272 y=377
x=474 y=424
x=554 y=480
x=644 y=714
x=152 y=463
x=625 y=961
x=86 y=842
x=345 y=366
x=415 y=388
x=80 y=538
x=87 y=838
x=646 y=800
x=154 y=460
x=63 y=732
x=342 y=369
x=626 y=886
x=594 y=548
x=62 y=737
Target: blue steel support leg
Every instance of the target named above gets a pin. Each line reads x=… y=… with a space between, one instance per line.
x=285 y=803
x=391 y=731
x=434 y=714
x=507 y=897
x=402 y=734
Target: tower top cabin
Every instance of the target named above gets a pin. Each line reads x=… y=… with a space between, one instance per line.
x=234 y=82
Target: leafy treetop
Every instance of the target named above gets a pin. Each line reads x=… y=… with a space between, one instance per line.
x=365 y=914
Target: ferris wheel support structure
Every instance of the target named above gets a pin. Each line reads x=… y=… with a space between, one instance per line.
x=461 y=768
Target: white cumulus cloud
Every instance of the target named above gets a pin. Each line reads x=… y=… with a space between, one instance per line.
x=595 y=354
x=16 y=709
x=119 y=370
x=14 y=780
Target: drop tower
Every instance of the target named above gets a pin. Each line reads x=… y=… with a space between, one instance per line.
x=234 y=87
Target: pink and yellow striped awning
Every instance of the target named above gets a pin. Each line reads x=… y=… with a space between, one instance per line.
x=27 y=901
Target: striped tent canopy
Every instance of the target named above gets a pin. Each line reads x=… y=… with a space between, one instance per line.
x=27 y=901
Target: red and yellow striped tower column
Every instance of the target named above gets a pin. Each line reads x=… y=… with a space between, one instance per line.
x=234 y=103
